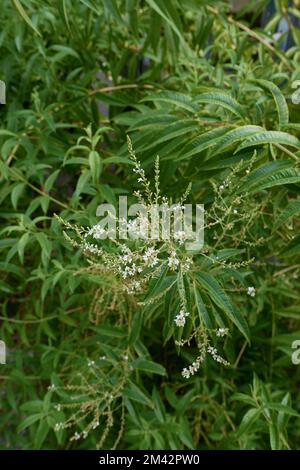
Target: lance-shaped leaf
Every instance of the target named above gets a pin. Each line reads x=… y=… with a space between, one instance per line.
x=224 y=100
x=281 y=105
x=291 y=209
x=269 y=137
x=219 y=297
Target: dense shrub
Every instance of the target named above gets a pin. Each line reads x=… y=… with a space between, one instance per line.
x=95 y=360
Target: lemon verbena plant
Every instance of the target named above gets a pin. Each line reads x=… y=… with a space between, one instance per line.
x=149 y=274
x=141 y=342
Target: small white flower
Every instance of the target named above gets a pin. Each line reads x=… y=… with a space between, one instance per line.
x=221 y=187
x=179 y=320
x=186 y=265
x=150 y=257
x=182 y=312
x=173 y=261
x=148 y=253
x=153 y=262
x=186 y=373
x=58 y=407
x=251 y=291
x=212 y=350
x=180 y=236
x=92 y=248
x=76 y=436
x=58 y=426
x=222 y=332
x=193 y=368
x=214 y=353
x=91 y=363
x=97 y=232
x=51 y=387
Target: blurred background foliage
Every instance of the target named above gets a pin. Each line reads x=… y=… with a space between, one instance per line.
x=187 y=80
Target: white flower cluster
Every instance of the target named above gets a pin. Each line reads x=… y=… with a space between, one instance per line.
x=58 y=426
x=173 y=261
x=187 y=264
x=222 y=332
x=96 y=232
x=180 y=236
x=150 y=257
x=128 y=271
x=180 y=318
x=91 y=248
x=127 y=267
x=139 y=170
x=177 y=207
x=193 y=368
x=138 y=227
x=133 y=287
x=214 y=353
x=77 y=436
x=251 y=291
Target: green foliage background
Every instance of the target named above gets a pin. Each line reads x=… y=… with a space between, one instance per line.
x=187 y=80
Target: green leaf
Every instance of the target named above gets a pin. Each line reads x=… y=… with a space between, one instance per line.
x=112 y=7
x=110 y=160
x=290 y=210
x=274 y=436
x=95 y=165
x=249 y=418
x=222 y=99
x=51 y=180
x=156 y=283
x=41 y=433
x=133 y=392
x=82 y=182
x=269 y=137
x=284 y=177
x=287 y=410
x=108 y=194
x=173 y=130
x=46 y=246
x=169 y=14
x=148 y=366
x=21 y=245
x=24 y=15
x=281 y=105
x=219 y=297
x=257 y=177
x=293 y=248
x=178 y=99
x=204 y=141
x=28 y=421
x=136 y=327
x=16 y=193
x=235 y=135
x=203 y=313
